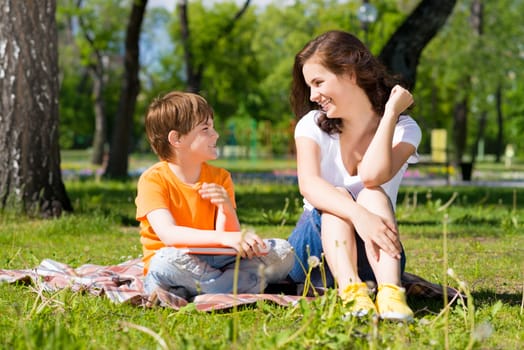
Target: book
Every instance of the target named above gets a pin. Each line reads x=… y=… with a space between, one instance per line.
x=219 y=250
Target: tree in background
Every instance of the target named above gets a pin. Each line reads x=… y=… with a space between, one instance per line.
x=472 y=73
x=90 y=40
x=118 y=161
x=401 y=54
x=194 y=63
x=30 y=176
x=99 y=40
x=212 y=55
x=76 y=111
x=283 y=30
x=240 y=58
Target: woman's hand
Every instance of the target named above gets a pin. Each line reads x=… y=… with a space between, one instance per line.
x=247 y=243
x=399 y=100
x=378 y=233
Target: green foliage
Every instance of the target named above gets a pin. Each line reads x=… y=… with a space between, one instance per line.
x=78 y=55
x=281 y=216
x=229 y=69
x=459 y=63
x=247 y=73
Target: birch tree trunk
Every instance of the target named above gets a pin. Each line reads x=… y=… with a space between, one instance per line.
x=30 y=176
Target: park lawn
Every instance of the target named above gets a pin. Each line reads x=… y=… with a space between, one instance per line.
x=481 y=226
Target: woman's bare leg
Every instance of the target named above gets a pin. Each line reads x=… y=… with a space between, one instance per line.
x=340 y=249
x=386 y=268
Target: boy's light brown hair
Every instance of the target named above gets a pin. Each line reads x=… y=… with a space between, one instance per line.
x=178 y=111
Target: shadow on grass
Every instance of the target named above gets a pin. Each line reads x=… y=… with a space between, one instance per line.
x=458 y=233
x=464 y=221
x=489 y=297
x=467 y=196
x=425 y=306
x=432 y=306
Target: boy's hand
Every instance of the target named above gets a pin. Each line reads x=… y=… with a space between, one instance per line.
x=215 y=193
x=247 y=243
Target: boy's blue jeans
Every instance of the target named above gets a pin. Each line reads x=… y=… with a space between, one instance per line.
x=306 y=242
x=173 y=269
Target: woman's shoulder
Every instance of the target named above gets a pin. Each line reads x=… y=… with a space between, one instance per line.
x=406 y=119
x=308 y=124
x=407 y=129
x=407 y=122
x=310 y=117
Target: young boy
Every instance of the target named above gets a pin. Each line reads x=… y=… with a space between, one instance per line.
x=184 y=202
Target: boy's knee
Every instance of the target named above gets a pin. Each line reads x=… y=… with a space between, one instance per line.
x=168 y=256
x=279 y=261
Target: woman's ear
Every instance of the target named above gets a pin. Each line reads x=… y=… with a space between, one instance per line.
x=174 y=138
x=352 y=76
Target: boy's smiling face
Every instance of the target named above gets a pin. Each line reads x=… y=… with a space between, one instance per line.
x=201 y=142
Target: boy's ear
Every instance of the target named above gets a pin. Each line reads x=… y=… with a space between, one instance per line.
x=173 y=138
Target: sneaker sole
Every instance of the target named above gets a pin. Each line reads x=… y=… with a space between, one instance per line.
x=394 y=316
x=357 y=314
x=360 y=313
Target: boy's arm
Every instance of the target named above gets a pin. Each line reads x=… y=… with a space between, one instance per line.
x=247 y=243
x=227 y=219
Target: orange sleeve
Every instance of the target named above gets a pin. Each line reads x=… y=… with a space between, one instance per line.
x=151 y=194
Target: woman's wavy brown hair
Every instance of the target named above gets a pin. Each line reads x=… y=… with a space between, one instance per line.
x=341 y=53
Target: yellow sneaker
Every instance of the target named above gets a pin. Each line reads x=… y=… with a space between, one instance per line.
x=358 y=295
x=391 y=303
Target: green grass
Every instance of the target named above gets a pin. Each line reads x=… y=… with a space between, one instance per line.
x=485 y=240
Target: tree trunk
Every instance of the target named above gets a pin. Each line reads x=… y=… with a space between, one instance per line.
x=117 y=166
x=192 y=78
x=481 y=130
x=100 y=137
x=460 y=131
x=402 y=52
x=30 y=176
x=477 y=23
x=97 y=71
x=500 y=124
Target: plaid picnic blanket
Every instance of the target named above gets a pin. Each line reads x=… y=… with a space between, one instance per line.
x=123 y=283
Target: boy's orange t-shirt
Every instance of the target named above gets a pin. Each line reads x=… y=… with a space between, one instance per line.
x=159 y=188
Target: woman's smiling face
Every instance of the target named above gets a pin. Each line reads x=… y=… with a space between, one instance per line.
x=331 y=92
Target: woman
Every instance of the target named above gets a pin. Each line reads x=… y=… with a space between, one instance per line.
x=353 y=147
